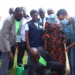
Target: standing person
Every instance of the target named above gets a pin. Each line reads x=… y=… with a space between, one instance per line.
x=53 y=38
x=22 y=45
x=25 y=13
x=7 y=39
x=42 y=18
x=68 y=25
x=11 y=11
x=34 y=32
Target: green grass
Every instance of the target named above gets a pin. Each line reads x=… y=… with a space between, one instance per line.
x=13 y=70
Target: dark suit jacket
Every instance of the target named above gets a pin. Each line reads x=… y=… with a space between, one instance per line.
x=38 y=66
x=46 y=19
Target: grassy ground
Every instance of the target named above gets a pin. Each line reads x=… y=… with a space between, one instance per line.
x=13 y=70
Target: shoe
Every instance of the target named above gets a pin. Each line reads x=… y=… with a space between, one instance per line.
x=25 y=66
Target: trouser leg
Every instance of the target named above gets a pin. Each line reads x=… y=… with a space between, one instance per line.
x=21 y=52
x=28 y=61
x=4 y=63
x=55 y=66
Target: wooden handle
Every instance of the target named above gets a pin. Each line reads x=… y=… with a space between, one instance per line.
x=64 y=45
x=68 y=71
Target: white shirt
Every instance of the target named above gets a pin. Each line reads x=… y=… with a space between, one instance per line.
x=27 y=27
x=23 y=29
x=44 y=20
x=0 y=22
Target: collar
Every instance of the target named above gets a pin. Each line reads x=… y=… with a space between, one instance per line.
x=43 y=19
x=25 y=18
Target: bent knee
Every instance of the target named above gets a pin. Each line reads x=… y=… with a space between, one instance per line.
x=60 y=66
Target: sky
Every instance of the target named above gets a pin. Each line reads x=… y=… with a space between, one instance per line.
x=69 y=5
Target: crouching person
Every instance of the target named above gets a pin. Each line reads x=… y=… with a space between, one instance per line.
x=41 y=62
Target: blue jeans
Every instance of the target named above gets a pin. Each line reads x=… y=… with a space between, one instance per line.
x=28 y=61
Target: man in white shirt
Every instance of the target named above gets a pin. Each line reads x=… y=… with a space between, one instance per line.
x=22 y=45
x=42 y=18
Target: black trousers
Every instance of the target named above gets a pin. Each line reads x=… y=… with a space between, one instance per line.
x=21 y=52
x=13 y=52
x=54 y=66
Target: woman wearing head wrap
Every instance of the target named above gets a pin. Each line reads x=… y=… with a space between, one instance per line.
x=53 y=37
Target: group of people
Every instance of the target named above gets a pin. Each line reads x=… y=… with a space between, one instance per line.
x=43 y=38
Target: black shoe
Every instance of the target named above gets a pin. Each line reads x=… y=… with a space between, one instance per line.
x=25 y=66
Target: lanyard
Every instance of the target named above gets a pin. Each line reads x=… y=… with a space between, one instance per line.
x=17 y=25
x=37 y=25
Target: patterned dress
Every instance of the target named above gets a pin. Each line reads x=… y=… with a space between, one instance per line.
x=54 y=42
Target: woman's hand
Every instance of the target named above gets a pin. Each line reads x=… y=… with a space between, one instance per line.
x=65 y=41
x=66 y=50
x=45 y=47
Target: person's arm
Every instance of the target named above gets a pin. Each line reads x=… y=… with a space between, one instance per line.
x=62 y=32
x=66 y=50
x=65 y=39
x=71 y=45
x=6 y=32
x=27 y=38
x=45 y=36
x=50 y=57
x=45 y=44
